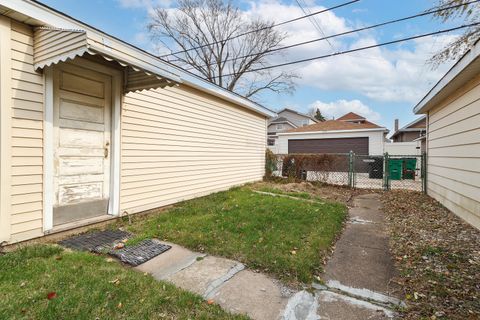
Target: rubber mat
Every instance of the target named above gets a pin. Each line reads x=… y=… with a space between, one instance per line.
x=96 y=241
x=137 y=254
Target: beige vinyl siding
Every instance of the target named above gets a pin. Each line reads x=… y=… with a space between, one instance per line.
x=27 y=137
x=179 y=143
x=50 y=43
x=454 y=153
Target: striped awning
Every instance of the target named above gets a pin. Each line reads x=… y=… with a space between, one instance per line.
x=54 y=45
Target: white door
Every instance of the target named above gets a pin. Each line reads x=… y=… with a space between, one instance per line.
x=82 y=129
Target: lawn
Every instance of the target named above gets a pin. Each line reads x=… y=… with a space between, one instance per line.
x=285 y=237
x=86 y=286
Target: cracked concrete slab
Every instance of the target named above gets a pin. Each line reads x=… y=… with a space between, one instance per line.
x=373 y=215
x=170 y=262
x=253 y=294
x=302 y=306
x=206 y=275
x=362 y=258
x=369 y=201
x=334 y=306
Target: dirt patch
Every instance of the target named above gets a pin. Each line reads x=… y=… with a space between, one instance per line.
x=438 y=256
x=333 y=193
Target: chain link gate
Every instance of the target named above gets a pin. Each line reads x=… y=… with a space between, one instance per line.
x=384 y=172
x=388 y=172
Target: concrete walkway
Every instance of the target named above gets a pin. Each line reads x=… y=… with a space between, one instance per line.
x=357 y=277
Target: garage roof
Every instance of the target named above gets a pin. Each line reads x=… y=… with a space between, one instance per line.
x=38 y=14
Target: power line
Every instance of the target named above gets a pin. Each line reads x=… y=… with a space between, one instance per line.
x=261 y=29
x=314 y=22
x=351 y=31
x=357 y=49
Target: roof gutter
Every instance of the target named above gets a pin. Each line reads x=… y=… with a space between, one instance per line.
x=428 y=101
x=331 y=131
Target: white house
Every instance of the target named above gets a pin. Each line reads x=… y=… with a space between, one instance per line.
x=285 y=120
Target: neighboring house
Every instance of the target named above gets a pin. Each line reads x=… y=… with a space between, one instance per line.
x=93 y=128
x=285 y=120
x=350 y=132
x=411 y=132
x=410 y=139
x=452 y=108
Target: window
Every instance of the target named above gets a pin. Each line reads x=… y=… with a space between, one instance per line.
x=305 y=122
x=271 y=142
x=280 y=126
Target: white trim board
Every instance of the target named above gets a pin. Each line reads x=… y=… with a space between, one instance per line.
x=48 y=152
x=5 y=129
x=117 y=94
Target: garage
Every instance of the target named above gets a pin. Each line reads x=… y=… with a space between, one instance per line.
x=350 y=132
x=333 y=145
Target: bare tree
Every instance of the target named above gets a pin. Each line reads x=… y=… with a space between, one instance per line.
x=467 y=11
x=212 y=28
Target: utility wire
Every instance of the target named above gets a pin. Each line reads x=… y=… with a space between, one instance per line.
x=314 y=22
x=351 y=31
x=357 y=49
x=261 y=29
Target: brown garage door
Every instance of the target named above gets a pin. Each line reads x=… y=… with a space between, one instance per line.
x=338 y=145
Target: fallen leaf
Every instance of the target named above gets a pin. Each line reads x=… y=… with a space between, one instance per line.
x=119 y=305
x=210 y=301
x=51 y=295
x=293 y=252
x=119 y=245
x=115 y=281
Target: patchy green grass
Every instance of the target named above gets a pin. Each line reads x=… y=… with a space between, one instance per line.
x=87 y=286
x=285 y=237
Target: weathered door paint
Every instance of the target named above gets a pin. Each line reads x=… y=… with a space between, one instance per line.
x=82 y=129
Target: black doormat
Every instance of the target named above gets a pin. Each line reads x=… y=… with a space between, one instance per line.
x=96 y=241
x=137 y=254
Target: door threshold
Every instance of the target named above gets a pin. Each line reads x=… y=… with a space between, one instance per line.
x=80 y=223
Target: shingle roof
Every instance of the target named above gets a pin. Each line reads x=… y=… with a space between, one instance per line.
x=351 y=116
x=333 y=125
x=419 y=124
x=279 y=119
x=299 y=113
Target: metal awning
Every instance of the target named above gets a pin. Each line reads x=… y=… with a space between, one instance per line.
x=54 y=45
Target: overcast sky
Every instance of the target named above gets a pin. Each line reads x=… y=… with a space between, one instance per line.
x=381 y=84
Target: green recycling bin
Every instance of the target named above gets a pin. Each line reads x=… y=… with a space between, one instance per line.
x=409 y=168
x=395 y=167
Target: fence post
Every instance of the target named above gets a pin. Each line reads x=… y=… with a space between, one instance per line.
x=350 y=170
x=386 y=172
x=424 y=172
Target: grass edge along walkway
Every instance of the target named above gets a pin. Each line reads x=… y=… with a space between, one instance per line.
x=47 y=282
x=286 y=238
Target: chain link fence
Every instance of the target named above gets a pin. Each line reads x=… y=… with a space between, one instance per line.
x=384 y=172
